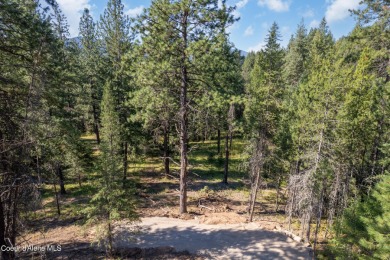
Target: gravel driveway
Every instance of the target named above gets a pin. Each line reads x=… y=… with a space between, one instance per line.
x=223 y=241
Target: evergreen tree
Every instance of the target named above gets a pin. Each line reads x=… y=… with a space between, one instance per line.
x=179 y=33
x=247 y=66
x=37 y=113
x=90 y=60
x=114 y=29
x=111 y=202
x=216 y=107
x=263 y=107
x=296 y=57
x=312 y=129
x=363 y=230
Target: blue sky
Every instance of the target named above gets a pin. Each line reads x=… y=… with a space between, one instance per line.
x=256 y=16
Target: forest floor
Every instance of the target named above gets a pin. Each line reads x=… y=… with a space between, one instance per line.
x=217 y=213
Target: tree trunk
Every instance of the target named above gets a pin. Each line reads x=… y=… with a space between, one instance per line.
x=319 y=216
x=298 y=166
x=316 y=165
x=277 y=195
x=57 y=200
x=183 y=119
x=257 y=161
x=290 y=212
x=79 y=179
x=308 y=228
x=109 y=250
x=225 y=176
x=219 y=142
x=183 y=148
x=61 y=179
x=96 y=123
x=14 y=216
x=166 y=151
x=125 y=148
x=3 y=253
x=253 y=196
x=231 y=139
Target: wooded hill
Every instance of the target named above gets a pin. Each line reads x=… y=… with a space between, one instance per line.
x=315 y=115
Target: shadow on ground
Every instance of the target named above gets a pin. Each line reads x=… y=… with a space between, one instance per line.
x=236 y=241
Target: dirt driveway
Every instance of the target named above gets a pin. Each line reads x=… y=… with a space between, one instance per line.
x=222 y=241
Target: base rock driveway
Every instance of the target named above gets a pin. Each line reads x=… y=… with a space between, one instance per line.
x=222 y=241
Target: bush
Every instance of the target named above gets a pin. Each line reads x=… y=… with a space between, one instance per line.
x=364 y=230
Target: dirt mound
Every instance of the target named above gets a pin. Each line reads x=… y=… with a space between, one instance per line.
x=222 y=218
x=215 y=203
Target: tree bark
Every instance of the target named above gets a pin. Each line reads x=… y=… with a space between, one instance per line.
x=258 y=160
x=219 y=141
x=109 y=250
x=254 y=195
x=183 y=119
x=277 y=195
x=226 y=168
x=125 y=163
x=96 y=123
x=231 y=139
x=79 y=179
x=166 y=151
x=3 y=254
x=57 y=200
x=61 y=179
x=319 y=216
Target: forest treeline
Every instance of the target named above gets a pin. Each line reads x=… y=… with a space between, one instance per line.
x=315 y=115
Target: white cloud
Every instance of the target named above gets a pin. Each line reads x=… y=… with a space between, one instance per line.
x=257 y=47
x=73 y=10
x=265 y=25
x=338 y=9
x=241 y=3
x=232 y=27
x=135 y=11
x=308 y=13
x=314 y=24
x=276 y=5
x=248 y=31
x=236 y=14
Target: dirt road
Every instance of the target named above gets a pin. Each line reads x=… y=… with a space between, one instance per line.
x=222 y=241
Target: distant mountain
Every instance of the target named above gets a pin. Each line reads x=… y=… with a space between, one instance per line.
x=77 y=40
x=243 y=53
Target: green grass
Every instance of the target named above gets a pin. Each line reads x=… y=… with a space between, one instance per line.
x=205 y=164
x=205 y=161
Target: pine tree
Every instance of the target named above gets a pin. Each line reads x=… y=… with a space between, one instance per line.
x=264 y=99
x=247 y=66
x=223 y=87
x=38 y=111
x=90 y=60
x=363 y=230
x=294 y=68
x=312 y=130
x=178 y=33
x=117 y=37
x=112 y=202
